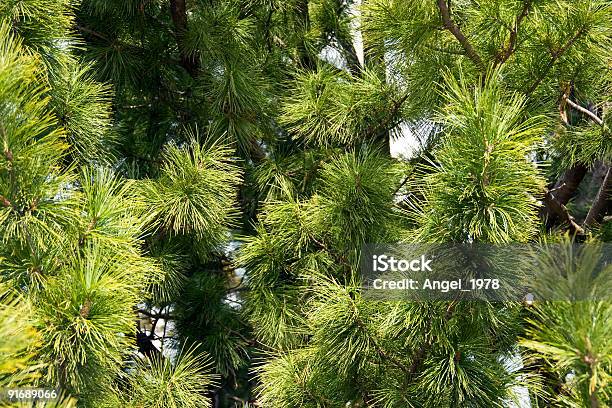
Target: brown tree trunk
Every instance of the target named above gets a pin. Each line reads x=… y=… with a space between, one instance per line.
x=568 y=184
x=598 y=209
x=178 y=10
x=561 y=193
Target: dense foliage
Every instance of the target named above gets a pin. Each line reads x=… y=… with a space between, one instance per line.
x=186 y=188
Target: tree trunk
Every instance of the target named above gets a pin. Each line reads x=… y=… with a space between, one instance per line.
x=598 y=209
x=178 y=10
x=562 y=192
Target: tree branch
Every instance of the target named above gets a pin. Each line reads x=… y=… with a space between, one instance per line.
x=145 y=345
x=421 y=353
x=450 y=25
x=559 y=210
x=506 y=52
x=5 y=202
x=256 y=151
x=598 y=208
x=384 y=125
x=178 y=9
x=555 y=56
x=93 y=33
x=302 y=13
x=153 y=327
x=379 y=131
x=583 y=110
x=564 y=189
x=352 y=61
x=381 y=352
x=152 y=315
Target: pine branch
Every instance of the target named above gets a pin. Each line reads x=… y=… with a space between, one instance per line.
x=599 y=204
x=5 y=202
x=506 y=52
x=178 y=9
x=256 y=151
x=381 y=352
x=350 y=54
x=451 y=26
x=132 y=46
x=567 y=186
x=387 y=124
x=422 y=352
x=402 y=184
x=305 y=59
x=146 y=346
x=583 y=110
x=267 y=27
x=558 y=209
x=152 y=315
x=555 y=56
x=564 y=189
x=93 y=33
x=153 y=328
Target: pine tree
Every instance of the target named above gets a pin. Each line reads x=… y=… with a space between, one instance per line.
x=187 y=189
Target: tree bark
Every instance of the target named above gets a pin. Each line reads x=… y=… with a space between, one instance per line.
x=558 y=213
x=598 y=209
x=585 y=111
x=178 y=10
x=567 y=185
x=506 y=52
x=555 y=200
x=451 y=26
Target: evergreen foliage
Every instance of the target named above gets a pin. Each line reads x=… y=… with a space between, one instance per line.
x=187 y=188
x=158 y=383
x=481 y=172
